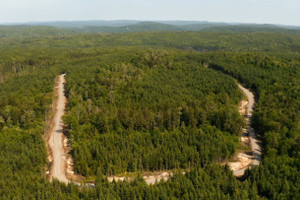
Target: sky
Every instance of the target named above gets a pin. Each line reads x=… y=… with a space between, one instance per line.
x=245 y=11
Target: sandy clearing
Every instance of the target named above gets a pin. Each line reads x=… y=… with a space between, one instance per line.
x=150 y=178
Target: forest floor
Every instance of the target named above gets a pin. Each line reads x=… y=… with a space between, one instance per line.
x=245 y=159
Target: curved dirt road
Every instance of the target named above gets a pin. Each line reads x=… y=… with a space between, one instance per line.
x=58 y=169
x=254 y=142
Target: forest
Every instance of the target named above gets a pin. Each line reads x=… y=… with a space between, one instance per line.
x=149 y=110
x=151 y=102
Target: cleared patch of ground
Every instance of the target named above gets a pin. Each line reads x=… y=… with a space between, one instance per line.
x=150 y=177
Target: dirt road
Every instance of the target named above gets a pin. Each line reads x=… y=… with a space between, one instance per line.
x=245 y=159
x=254 y=142
x=58 y=169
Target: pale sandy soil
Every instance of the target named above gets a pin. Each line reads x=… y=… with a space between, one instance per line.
x=242 y=160
x=150 y=178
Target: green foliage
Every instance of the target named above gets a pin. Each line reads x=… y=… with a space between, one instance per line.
x=149 y=111
x=192 y=41
x=23 y=104
x=136 y=105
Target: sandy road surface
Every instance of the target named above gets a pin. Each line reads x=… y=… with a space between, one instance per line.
x=55 y=141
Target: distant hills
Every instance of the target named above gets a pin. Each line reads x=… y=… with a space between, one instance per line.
x=35 y=29
x=150 y=25
x=83 y=24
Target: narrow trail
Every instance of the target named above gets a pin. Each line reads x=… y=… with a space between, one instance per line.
x=244 y=160
x=55 y=142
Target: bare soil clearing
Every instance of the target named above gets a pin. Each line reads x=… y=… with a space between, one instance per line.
x=150 y=178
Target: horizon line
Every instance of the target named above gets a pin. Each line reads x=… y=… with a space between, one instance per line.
x=148 y=20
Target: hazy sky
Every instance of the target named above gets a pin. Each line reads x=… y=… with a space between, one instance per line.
x=256 y=11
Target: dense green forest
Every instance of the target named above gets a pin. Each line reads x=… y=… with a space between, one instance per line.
x=149 y=110
x=276 y=81
x=147 y=101
x=193 y=41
